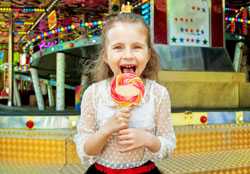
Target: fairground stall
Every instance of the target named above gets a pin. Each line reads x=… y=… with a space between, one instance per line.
x=47 y=50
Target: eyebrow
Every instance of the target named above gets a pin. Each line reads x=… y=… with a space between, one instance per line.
x=139 y=43
x=121 y=43
x=116 y=44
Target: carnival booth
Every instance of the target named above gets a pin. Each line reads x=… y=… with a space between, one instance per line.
x=49 y=48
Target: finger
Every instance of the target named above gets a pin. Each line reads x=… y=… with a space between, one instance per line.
x=126 y=109
x=127 y=149
x=123 y=126
x=122 y=114
x=125 y=115
x=123 y=137
x=124 y=132
x=123 y=120
x=125 y=142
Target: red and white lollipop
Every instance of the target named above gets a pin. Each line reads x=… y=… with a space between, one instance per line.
x=127 y=89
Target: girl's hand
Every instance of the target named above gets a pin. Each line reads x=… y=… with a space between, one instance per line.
x=132 y=138
x=118 y=121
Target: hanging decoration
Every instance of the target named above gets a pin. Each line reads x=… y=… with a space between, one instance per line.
x=232 y=26
x=145 y=12
x=68 y=28
x=244 y=24
x=232 y=9
x=52 y=20
x=88 y=3
x=22 y=68
x=237 y=20
x=126 y=8
x=17 y=23
x=1 y=57
x=90 y=28
x=115 y=6
x=22 y=10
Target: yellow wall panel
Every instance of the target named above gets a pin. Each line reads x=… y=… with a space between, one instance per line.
x=199 y=76
x=244 y=94
x=203 y=94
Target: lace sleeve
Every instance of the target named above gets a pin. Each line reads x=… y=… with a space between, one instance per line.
x=86 y=125
x=164 y=127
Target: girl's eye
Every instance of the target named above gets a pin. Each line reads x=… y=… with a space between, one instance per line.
x=117 y=47
x=137 y=47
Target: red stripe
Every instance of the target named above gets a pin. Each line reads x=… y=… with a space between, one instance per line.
x=160 y=22
x=217 y=22
x=136 y=170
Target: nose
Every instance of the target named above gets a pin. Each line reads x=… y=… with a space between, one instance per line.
x=128 y=54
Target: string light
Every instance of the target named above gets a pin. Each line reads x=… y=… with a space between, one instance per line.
x=17 y=22
x=62 y=29
x=20 y=32
x=231 y=9
x=24 y=10
x=240 y=20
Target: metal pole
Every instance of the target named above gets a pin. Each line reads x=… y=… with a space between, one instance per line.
x=17 y=98
x=50 y=96
x=10 y=61
x=60 y=79
x=38 y=92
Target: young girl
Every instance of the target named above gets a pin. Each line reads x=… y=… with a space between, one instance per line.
x=127 y=140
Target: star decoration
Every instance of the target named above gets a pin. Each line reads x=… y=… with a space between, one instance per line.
x=204 y=41
x=173 y=39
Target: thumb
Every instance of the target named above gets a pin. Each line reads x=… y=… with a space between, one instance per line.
x=126 y=109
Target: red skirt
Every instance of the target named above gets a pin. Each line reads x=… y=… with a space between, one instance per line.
x=147 y=168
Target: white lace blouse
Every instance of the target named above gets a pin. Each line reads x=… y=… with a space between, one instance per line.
x=153 y=115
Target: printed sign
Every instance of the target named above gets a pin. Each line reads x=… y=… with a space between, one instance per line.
x=188 y=22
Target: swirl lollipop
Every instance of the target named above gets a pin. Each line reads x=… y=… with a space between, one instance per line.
x=127 y=89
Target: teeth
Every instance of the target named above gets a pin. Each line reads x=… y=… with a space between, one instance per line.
x=128 y=66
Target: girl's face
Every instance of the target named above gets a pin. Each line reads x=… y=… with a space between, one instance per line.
x=127 y=48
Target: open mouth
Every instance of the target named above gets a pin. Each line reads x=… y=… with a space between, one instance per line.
x=128 y=68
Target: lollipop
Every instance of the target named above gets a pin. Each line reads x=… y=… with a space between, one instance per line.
x=127 y=89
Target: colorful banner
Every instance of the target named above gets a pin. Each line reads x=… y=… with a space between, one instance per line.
x=52 y=20
x=1 y=57
x=78 y=96
x=188 y=23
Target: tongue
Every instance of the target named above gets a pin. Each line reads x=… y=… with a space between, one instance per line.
x=128 y=70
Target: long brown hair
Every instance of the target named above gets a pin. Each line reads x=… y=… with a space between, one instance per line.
x=102 y=70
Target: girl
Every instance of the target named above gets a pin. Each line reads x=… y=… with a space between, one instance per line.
x=125 y=140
